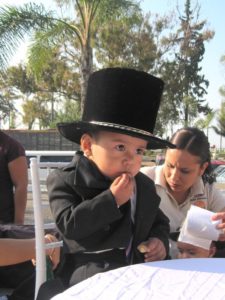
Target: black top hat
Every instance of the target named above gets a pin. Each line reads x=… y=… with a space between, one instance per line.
x=120 y=100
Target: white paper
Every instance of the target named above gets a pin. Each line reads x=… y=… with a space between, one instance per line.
x=200 y=223
x=198 y=228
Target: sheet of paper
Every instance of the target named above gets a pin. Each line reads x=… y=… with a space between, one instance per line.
x=200 y=223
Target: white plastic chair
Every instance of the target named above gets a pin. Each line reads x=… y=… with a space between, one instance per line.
x=39 y=222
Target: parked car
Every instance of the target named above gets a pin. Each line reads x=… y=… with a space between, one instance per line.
x=220 y=177
x=216 y=163
x=219 y=171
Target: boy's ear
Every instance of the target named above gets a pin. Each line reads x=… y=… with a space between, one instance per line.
x=86 y=143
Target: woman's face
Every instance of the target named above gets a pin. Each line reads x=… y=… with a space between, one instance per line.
x=181 y=169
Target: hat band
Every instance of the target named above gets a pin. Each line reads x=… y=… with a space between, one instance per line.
x=123 y=127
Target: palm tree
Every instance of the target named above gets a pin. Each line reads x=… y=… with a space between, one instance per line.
x=47 y=30
x=205 y=122
x=220 y=128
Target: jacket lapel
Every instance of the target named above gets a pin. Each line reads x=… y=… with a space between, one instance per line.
x=147 y=204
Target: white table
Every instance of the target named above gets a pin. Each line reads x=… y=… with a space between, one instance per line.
x=183 y=279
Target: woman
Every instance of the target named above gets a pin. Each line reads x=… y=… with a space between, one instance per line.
x=13 y=252
x=25 y=250
x=13 y=180
x=185 y=178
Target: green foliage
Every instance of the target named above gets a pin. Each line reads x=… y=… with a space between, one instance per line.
x=192 y=84
x=5 y=107
x=8 y=95
x=33 y=110
x=135 y=48
x=55 y=84
x=17 y=23
x=60 y=57
x=220 y=128
x=48 y=31
x=169 y=112
x=69 y=113
x=18 y=78
x=203 y=123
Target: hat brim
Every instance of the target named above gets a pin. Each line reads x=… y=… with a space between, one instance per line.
x=74 y=130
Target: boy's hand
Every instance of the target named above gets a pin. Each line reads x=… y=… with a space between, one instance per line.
x=153 y=249
x=122 y=188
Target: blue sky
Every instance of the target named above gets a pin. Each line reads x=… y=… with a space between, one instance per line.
x=211 y=10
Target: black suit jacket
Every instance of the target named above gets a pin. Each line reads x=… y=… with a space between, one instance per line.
x=87 y=215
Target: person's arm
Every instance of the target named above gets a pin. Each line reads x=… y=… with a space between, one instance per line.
x=157 y=246
x=76 y=219
x=18 y=172
x=221 y=226
x=14 y=251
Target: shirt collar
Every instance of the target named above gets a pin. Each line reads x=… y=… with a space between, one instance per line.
x=159 y=177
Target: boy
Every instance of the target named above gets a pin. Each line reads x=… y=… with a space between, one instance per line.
x=191 y=250
x=102 y=205
x=186 y=250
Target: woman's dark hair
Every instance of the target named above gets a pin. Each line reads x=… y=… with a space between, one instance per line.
x=196 y=143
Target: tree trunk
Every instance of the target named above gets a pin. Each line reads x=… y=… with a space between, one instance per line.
x=186 y=113
x=86 y=70
x=52 y=107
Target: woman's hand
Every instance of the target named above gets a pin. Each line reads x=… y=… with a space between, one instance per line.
x=221 y=226
x=153 y=250
x=53 y=253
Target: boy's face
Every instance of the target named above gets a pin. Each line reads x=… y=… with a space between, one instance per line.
x=191 y=251
x=114 y=153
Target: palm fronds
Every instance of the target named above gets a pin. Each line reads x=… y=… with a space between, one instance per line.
x=18 y=22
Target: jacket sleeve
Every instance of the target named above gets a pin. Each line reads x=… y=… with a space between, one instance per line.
x=76 y=218
x=161 y=224
x=161 y=229
x=152 y=221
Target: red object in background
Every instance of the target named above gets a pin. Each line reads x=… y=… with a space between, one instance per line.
x=216 y=162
